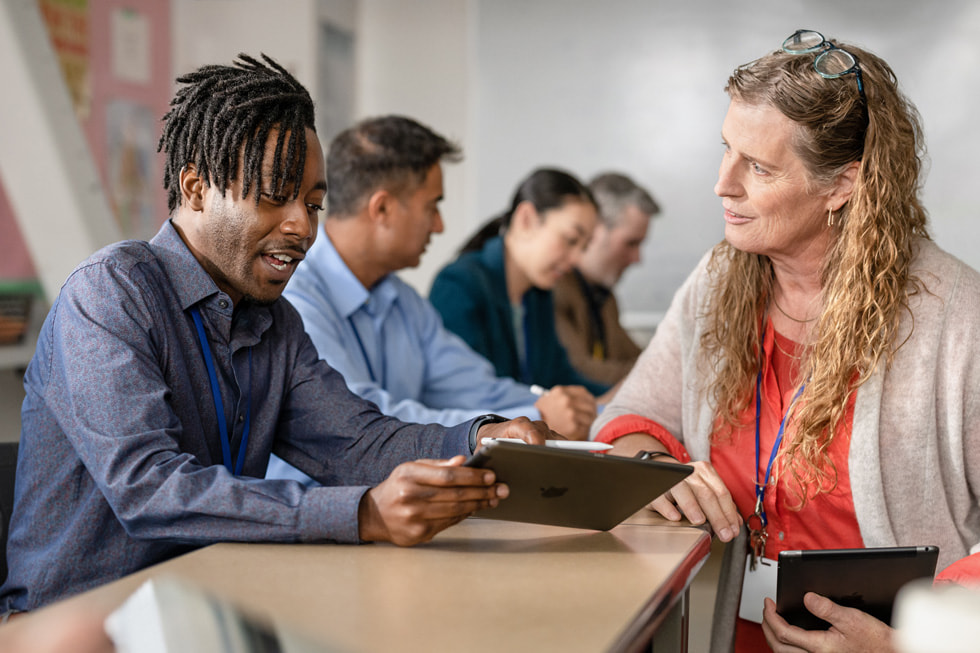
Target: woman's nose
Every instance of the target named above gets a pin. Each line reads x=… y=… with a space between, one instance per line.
x=727 y=185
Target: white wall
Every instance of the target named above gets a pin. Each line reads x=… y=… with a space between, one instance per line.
x=415 y=58
x=638 y=85
x=216 y=31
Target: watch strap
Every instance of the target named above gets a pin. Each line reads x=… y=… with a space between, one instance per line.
x=489 y=418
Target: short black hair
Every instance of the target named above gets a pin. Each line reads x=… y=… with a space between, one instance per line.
x=223 y=111
x=392 y=151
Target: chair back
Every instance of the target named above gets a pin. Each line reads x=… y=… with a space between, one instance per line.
x=8 y=466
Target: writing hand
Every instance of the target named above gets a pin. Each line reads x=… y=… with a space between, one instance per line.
x=568 y=409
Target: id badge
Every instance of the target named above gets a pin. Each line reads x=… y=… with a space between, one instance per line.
x=757 y=585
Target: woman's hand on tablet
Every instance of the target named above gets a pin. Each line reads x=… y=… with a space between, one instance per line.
x=851 y=631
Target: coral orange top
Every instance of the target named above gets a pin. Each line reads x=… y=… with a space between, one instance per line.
x=826 y=520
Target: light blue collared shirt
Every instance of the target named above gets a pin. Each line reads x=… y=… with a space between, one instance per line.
x=390 y=345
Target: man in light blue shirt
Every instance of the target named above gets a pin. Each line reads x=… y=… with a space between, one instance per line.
x=384 y=185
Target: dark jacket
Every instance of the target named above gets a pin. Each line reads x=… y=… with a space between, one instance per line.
x=471 y=295
x=587 y=319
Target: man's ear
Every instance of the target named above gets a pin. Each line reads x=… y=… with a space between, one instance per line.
x=192 y=188
x=844 y=185
x=379 y=206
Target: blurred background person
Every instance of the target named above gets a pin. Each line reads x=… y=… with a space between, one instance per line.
x=384 y=188
x=586 y=310
x=497 y=294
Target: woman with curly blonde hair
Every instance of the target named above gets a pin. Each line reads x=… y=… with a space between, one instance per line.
x=820 y=365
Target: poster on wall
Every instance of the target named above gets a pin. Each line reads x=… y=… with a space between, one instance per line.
x=131 y=150
x=132 y=81
x=131 y=39
x=68 y=27
x=67 y=22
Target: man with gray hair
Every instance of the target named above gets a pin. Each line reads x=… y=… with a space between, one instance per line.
x=586 y=311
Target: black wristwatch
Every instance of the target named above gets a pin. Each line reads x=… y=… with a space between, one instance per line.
x=489 y=418
x=653 y=455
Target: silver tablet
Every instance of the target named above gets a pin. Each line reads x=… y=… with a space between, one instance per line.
x=573 y=488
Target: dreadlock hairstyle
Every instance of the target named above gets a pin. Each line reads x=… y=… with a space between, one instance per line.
x=866 y=274
x=222 y=113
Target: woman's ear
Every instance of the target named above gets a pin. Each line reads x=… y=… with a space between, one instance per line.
x=525 y=218
x=844 y=185
x=192 y=188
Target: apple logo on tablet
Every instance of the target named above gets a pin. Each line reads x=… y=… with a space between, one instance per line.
x=553 y=492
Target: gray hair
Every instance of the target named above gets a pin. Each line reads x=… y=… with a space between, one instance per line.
x=614 y=192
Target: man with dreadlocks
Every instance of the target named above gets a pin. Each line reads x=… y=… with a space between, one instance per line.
x=167 y=372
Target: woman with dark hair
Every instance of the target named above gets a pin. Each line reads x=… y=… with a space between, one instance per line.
x=497 y=294
x=821 y=364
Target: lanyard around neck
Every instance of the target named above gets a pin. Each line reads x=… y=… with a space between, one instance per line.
x=760 y=487
x=219 y=405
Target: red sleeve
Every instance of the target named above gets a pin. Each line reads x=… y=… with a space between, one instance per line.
x=626 y=424
x=962 y=572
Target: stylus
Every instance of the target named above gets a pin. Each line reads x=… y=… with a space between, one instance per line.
x=581 y=445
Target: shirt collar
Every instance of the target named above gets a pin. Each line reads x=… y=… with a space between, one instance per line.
x=193 y=284
x=190 y=281
x=347 y=294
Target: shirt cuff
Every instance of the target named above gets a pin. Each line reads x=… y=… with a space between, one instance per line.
x=626 y=424
x=457 y=441
x=330 y=513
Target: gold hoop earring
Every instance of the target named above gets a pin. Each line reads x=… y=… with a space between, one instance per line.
x=830 y=217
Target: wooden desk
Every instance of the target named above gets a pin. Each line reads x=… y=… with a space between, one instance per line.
x=482 y=585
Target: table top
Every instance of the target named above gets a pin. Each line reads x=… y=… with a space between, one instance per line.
x=482 y=585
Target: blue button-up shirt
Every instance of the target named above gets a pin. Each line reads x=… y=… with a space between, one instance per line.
x=391 y=347
x=120 y=462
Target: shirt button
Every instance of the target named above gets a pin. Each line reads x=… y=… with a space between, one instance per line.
x=223 y=303
x=781 y=536
x=241 y=418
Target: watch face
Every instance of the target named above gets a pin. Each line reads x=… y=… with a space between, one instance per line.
x=651 y=455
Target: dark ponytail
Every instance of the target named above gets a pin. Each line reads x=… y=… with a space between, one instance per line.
x=546 y=189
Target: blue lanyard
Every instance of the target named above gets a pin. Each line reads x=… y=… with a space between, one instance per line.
x=219 y=405
x=760 y=488
x=367 y=360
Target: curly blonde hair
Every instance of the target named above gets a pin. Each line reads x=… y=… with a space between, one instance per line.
x=865 y=277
